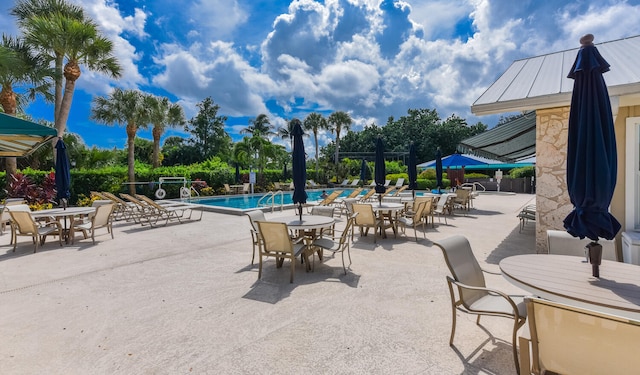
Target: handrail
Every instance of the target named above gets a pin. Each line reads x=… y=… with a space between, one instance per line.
x=269 y=199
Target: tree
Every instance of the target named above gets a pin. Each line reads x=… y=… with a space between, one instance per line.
x=162 y=113
x=286 y=132
x=60 y=30
x=124 y=107
x=315 y=122
x=259 y=128
x=338 y=121
x=20 y=67
x=208 y=134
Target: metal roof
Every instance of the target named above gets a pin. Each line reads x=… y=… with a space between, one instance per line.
x=509 y=142
x=541 y=81
x=20 y=137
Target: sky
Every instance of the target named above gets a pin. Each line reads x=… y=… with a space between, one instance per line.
x=370 y=58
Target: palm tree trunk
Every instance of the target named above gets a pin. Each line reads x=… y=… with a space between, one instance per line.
x=156 y=146
x=131 y=161
x=58 y=88
x=315 y=136
x=8 y=102
x=65 y=107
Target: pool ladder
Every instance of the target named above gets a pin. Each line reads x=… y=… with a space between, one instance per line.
x=269 y=200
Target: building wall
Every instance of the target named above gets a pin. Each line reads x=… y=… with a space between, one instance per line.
x=552 y=200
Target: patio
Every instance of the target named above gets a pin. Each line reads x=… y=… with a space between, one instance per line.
x=185 y=299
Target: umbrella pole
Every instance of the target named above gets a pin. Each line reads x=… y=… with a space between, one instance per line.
x=380 y=199
x=300 y=210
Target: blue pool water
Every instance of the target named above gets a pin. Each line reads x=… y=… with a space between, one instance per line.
x=247 y=201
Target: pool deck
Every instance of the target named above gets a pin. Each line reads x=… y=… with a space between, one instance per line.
x=185 y=299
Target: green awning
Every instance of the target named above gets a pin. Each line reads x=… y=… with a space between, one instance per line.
x=20 y=137
x=510 y=142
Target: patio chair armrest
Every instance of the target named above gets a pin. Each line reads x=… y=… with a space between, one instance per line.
x=491 y=291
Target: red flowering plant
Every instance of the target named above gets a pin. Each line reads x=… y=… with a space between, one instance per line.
x=37 y=196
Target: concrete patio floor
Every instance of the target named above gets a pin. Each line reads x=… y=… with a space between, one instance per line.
x=185 y=299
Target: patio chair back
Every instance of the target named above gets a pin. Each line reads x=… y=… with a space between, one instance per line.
x=276 y=242
x=570 y=340
x=365 y=214
x=227 y=189
x=23 y=222
x=464 y=267
x=23 y=225
x=246 y=188
x=254 y=216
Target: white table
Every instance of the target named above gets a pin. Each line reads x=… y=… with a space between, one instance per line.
x=307 y=226
x=568 y=279
x=60 y=214
x=389 y=210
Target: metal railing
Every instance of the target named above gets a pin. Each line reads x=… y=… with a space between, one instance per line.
x=269 y=200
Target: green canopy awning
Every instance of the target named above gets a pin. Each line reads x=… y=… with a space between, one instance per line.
x=20 y=137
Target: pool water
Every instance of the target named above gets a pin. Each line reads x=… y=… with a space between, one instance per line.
x=248 y=201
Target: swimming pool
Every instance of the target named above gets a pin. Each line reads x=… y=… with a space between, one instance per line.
x=239 y=203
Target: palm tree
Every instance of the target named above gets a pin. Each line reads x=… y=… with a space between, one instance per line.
x=315 y=122
x=285 y=132
x=259 y=128
x=123 y=107
x=338 y=120
x=65 y=33
x=162 y=113
x=20 y=68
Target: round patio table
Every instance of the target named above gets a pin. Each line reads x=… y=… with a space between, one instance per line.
x=61 y=215
x=568 y=279
x=389 y=211
x=307 y=226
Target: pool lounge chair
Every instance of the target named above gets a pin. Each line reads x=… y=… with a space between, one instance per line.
x=124 y=210
x=315 y=185
x=344 y=183
x=402 y=188
x=355 y=183
x=169 y=212
x=368 y=195
x=399 y=183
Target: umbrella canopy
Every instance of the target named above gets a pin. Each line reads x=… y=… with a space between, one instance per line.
x=20 y=137
x=591 y=148
x=413 y=174
x=284 y=171
x=458 y=160
x=380 y=174
x=63 y=173
x=439 y=182
x=237 y=173
x=299 y=168
x=363 y=172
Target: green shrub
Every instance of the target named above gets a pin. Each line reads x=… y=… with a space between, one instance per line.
x=522 y=172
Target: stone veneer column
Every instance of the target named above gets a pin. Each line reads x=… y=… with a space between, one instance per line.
x=552 y=199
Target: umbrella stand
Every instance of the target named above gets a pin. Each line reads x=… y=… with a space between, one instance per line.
x=595 y=257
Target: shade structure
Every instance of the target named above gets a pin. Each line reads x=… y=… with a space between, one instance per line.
x=20 y=137
x=299 y=168
x=411 y=168
x=439 y=182
x=363 y=172
x=284 y=171
x=591 y=148
x=458 y=160
x=237 y=173
x=63 y=173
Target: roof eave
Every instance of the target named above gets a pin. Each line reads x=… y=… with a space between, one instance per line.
x=527 y=104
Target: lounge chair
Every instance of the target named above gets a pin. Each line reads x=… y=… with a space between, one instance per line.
x=100 y=219
x=566 y=339
x=344 y=183
x=355 y=182
x=277 y=243
x=368 y=195
x=277 y=186
x=227 y=189
x=355 y=193
x=473 y=295
x=402 y=188
x=169 y=212
x=399 y=183
x=124 y=210
x=388 y=191
x=246 y=188
x=315 y=185
x=22 y=224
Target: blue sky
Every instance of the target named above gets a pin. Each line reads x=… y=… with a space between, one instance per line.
x=370 y=58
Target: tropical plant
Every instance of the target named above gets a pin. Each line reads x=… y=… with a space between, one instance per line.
x=315 y=122
x=259 y=128
x=124 y=107
x=162 y=113
x=25 y=70
x=21 y=186
x=59 y=30
x=207 y=128
x=337 y=121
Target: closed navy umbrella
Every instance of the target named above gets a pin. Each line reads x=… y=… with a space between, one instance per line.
x=591 y=149
x=413 y=174
x=299 y=168
x=237 y=173
x=284 y=171
x=63 y=174
x=439 y=169
x=363 y=172
x=380 y=173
